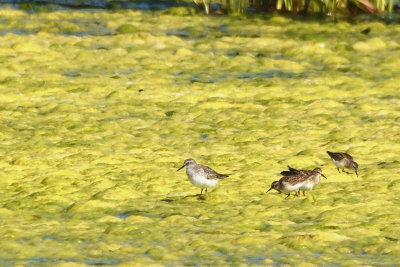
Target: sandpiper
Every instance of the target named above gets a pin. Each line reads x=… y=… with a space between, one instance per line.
x=343 y=160
x=288 y=184
x=201 y=176
x=312 y=178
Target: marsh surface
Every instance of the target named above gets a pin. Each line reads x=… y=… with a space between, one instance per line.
x=99 y=109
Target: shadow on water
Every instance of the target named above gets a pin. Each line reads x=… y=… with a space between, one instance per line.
x=172 y=199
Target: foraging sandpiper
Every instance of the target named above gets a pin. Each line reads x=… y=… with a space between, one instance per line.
x=343 y=160
x=201 y=176
x=313 y=177
x=287 y=185
x=294 y=180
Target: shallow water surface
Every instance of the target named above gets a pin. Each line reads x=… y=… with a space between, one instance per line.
x=99 y=110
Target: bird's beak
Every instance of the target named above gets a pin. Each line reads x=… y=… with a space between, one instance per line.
x=323 y=176
x=181 y=167
x=269 y=189
x=356 y=173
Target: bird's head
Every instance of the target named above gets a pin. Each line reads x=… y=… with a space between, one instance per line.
x=186 y=163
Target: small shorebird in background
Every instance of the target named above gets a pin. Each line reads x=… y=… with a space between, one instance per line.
x=343 y=160
x=313 y=177
x=201 y=176
x=294 y=180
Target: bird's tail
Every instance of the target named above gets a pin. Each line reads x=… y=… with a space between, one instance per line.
x=291 y=171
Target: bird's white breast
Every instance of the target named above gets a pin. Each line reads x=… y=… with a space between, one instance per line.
x=339 y=164
x=290 y=188
x=198 y=179
x=310 y=183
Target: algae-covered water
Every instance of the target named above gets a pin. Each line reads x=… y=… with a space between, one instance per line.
x=99 y=109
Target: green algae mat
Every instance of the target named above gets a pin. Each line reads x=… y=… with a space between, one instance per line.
x=99 y=109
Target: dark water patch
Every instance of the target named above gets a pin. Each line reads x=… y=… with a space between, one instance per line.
x=255 y=260
x=271 y=74
x=6 y=262
x=168 y=200
x=270 y=55
x=126 y=214
x=86 y=33
x=42 y=261
x=314 y=37
x=203 y=80
x=36 y=260
x=49 y=5
x=49 y=237
x=103 y=262
x=19 y=32
x=178 y=33
x=243 y=75
x=203 y=136
x=123 y=215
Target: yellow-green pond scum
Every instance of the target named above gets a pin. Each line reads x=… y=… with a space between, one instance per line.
x=98 y=110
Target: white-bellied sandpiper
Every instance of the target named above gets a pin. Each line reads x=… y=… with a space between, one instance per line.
x=201 y=176
x=294 y=180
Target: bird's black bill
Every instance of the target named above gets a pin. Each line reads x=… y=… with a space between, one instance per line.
x=269 y=189
x=180 y=168
x=323 y=176
x=356 y=173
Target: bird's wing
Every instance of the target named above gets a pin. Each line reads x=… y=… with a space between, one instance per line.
x=347 y=156
x=294 y=179
x=339 y=156
x=211 y=174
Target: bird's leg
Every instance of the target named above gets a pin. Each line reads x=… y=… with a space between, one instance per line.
x=338 y=170
x=203 y=197
x=346 y=172
x=201 y=194
x=287 y=196
x=304 y=193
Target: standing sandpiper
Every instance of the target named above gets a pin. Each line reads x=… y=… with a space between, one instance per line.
x=312 y=178
x=201 y=176
x=343 y=160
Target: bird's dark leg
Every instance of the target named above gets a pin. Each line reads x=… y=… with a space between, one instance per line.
x=304 y=193
x=201 y=194
x=287 y=196
x=338 y=170
x=203 y=197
